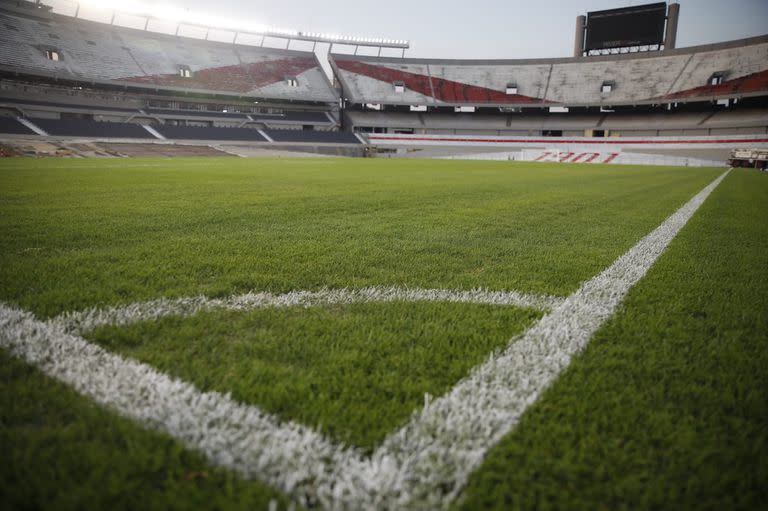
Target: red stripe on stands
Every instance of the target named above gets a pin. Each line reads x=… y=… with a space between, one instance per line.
x=447 y=91
x=592 y=158
x=236 y=78
x=755 y=82
x=569 y=141
x=579 y=157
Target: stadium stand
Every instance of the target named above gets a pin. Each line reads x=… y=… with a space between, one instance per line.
x=66 y=48
x=640 y=78
x=751 y=83
x=420 y=85
x=299 y=118
x=209 y=133
x=163 y=112
x=87 y=128
x=52 y=65
x=159 y=150
x=54 y=106
x=67 y=77
x=650 y=123
x=281 y=117
x=11 y=126
x=311 y=136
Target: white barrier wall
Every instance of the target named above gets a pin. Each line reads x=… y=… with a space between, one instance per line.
x=690 y=151
x=568 y=143
x=647 y=77
x=586 y=156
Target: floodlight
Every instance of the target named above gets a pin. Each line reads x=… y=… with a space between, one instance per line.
x=170 y=13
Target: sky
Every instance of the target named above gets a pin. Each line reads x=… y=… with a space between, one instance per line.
x=472 y=28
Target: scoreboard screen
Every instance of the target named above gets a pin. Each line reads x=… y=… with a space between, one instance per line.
x=641 y=25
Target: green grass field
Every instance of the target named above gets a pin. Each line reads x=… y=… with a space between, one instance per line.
x=666 y=408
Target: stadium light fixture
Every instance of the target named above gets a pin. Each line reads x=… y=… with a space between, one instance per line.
x=179 y=16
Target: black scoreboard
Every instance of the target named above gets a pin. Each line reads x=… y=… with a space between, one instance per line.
x=642 y=25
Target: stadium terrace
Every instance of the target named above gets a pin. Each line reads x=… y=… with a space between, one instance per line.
x=66 y=79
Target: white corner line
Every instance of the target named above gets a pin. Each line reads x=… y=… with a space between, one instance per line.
x=445 y=442
x=89 y=319
x=424 y=465
x=241 y=437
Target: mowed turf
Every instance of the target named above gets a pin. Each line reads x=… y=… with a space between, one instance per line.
x=668 y=406
x=61 y=451
x=88 y=233
x=80 y=233
x=354 y=372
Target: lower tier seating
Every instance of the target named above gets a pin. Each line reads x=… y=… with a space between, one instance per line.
x=209 y=133
x=310 y=136
x=86 y=128
x=11 y=126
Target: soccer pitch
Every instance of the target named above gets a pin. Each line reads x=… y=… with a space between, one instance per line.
x=382 y=334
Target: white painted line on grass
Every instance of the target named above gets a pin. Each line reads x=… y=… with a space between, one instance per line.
x=422 y=466
x=255 y=444
x=444 y=443
x=79 y=322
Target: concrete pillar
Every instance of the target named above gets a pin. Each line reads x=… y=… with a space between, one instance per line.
x=673 y=15
x=581 y=29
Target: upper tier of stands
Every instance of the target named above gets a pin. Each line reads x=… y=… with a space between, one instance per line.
x=104 y=54
x=738 y=68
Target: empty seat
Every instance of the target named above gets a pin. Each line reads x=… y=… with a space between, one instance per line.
x=209 y=133
x=86 y=128
x=311 y=136
x=11 y=126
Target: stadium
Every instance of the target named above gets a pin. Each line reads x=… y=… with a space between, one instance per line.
x=249 y=267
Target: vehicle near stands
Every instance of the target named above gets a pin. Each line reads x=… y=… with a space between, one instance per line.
x=754 y=158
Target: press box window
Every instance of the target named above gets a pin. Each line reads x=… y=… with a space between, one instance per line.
x=52 y=55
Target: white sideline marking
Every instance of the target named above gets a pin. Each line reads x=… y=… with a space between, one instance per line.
x=230 y=434
x=447 y=441
x=79 y=322
x=422 y=466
